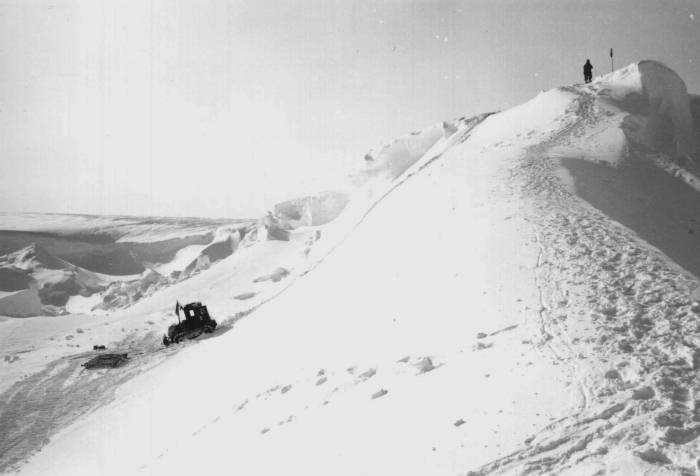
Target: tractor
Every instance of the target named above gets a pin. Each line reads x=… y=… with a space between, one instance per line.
x=196 y=322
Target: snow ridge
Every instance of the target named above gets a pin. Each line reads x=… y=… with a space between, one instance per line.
x=524 y=314
x=627 y=323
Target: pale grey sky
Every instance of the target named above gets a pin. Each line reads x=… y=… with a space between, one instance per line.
x=116 y=106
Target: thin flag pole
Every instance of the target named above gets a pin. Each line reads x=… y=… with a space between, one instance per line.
x=612 y=66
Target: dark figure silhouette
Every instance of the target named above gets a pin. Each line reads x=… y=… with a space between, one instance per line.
x=588 y=71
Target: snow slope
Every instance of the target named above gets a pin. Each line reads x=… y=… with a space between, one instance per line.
x=491 y=300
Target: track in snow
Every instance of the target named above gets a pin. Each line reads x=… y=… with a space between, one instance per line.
x=618 y=313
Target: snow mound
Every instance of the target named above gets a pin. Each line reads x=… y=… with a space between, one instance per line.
x=181 y=260
x=660 y=108
x=620 y=84
x=120 y=295
x=395 y=158
x=314 y=210
x=527 y=123
x=275 y=276
x=222 y=247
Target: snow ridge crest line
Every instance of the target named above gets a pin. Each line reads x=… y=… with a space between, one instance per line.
x=624 y=316
x=428 y=159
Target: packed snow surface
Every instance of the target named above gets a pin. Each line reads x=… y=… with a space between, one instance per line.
x=514 y=293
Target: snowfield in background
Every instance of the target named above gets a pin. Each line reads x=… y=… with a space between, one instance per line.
x=73 y=264
x=514 y=293
x=122 y=229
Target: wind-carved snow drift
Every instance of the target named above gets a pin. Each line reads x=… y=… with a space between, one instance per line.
x=513 y=293
x=659 y=106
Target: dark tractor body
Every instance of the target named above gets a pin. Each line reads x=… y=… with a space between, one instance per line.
x=196 y=321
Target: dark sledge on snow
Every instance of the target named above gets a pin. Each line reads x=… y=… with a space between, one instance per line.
x=106 y=361
x=197 y=321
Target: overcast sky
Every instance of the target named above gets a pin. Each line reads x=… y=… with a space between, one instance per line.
x=220 y=108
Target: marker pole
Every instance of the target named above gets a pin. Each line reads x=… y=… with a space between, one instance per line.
x=612 y=65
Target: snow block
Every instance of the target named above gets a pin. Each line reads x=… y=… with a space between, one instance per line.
x=314 y=210
x=395 y=158
x=661 y=108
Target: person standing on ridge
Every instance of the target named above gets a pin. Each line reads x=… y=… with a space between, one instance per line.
x=588 y=71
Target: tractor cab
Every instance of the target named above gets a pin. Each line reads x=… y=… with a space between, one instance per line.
x=195 y=312
x=197 y=320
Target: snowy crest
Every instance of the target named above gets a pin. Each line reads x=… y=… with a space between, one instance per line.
x=519 y=288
